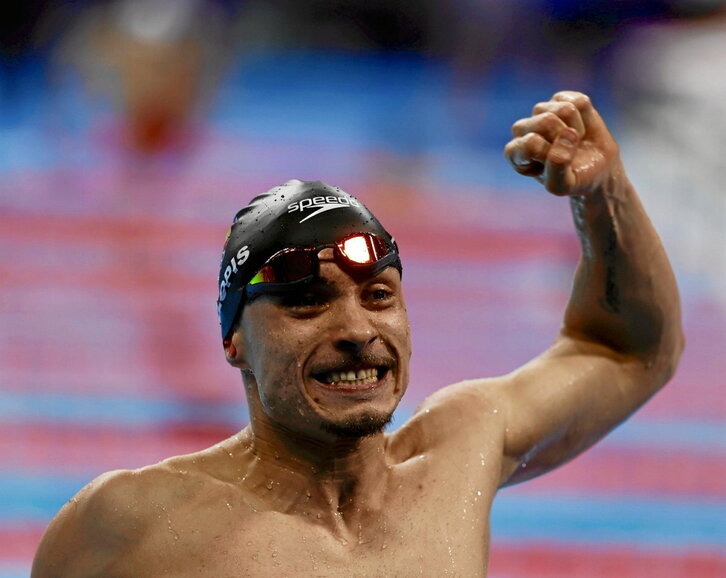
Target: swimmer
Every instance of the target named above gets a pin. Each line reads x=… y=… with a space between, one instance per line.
x=313 y=315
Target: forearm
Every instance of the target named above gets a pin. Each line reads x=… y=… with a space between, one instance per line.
x=624 y=295
x=621 y=337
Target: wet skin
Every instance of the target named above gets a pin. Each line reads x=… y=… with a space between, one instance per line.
x=294 y=347
x=297 y=494
x=286 y=497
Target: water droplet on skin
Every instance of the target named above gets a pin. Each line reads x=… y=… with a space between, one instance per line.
x=495 y=410
x=269 y=484
x=229 y=506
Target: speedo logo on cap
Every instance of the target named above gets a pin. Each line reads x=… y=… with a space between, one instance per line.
x=321 y=205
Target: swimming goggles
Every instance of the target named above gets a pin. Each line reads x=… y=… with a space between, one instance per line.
x=360 y=255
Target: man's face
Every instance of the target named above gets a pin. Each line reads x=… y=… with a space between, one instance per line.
x=332 y=357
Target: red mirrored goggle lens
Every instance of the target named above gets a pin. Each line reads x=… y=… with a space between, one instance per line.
x=363 y=249
x=290 y=265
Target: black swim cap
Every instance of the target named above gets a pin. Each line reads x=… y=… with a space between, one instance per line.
x=296 y=214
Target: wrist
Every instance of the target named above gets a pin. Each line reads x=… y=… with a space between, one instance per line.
x=612 y=189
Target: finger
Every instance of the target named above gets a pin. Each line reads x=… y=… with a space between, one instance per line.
x=566 y=111
x=559 y=177
x=590 y=117
x=528 y=154
x=546 y=124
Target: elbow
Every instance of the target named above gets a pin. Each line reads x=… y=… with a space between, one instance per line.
x=674 y=353
x=664 y=359
x=658 y=340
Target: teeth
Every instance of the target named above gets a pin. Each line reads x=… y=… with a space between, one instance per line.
x=353 y=377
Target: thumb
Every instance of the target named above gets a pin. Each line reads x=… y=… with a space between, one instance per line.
x=560 y=177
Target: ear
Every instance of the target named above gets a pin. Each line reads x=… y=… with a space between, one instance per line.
x=235 y=350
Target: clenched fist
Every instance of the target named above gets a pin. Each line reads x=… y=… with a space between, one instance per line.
x=565 y=145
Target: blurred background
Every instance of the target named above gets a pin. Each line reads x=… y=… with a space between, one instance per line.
x=131 y=132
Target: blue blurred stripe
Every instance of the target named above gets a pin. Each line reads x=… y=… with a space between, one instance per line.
x=522 y=516
x=14 y=570
x=685 y=523
x=20 y=408
x=701 y=435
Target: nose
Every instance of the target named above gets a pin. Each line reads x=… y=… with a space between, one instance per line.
x=354 y=329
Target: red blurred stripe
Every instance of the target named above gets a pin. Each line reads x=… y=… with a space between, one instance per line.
x=140 y=231
x=19 y=543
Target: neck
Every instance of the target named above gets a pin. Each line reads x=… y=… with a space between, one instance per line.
x=326 y=457
x=332 y=477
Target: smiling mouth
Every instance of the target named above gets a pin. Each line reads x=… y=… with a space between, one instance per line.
x=369 y=376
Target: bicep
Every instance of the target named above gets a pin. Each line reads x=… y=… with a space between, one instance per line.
x=563 y=402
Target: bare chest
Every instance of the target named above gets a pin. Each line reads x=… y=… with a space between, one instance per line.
x=414 y=531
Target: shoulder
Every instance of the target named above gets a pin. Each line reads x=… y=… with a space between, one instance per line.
x=454 y=416
x=101 y=523
x=84 y=533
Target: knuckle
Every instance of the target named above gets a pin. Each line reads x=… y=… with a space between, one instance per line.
x=578 y=99
x=539 y=107
x=520 y=127
x=533 y=142
x=549 y=120
x=583 y=102
x=567 y=108
x=509 y=150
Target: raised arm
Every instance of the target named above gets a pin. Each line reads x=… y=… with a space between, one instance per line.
x=621 y=337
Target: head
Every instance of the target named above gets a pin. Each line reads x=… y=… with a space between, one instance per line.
x=312 y=312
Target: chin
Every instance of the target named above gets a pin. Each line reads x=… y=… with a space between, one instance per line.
x=360 y=426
